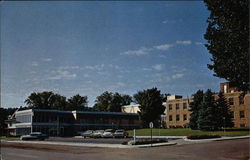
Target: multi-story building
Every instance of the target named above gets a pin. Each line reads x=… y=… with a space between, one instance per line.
x=178 y=113
x=64 y=123
x=177 y=110
x=239 y=104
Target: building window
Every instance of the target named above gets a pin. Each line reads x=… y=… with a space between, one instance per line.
x=231 y=101
x=241 y=99
x=242 y=125
x=170 y=106
x=184 y=105
x=177 y=106
x=242 y=114
x=184 y=117
x=170 y=118
x=177 y=117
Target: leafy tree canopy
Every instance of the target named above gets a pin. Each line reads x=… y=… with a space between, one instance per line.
x=50 y=100
x=195 y=106
x=111 y=102
x=77 y=102
x=151 y=107
x=228 y=40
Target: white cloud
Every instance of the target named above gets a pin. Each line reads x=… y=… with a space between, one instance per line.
x=114 y=66
x=178 y=75
x=178 y=69
x=47 y=59
x=35 y=64
x=60 y=74
x=164 y=47
x=86 y=75
x=95 y=67
x=146 y=69
x=141 y=51
x=184 y=42
x=68 y=67
x=171 y=21
x=120 y=84
x=158 y=67
x=198 y=43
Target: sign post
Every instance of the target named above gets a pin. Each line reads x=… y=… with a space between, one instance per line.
x=151 y=125
x=134 y=135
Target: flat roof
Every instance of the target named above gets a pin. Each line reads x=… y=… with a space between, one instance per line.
x=75 y=111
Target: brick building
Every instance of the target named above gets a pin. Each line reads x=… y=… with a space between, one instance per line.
x=179 y=114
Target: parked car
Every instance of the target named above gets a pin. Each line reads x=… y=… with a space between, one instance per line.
x=97 y=134
x=120 y=133
x=108 y=133
x=87 y=133
x=34 y=136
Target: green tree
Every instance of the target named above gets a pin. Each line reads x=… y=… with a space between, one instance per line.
x=228 y=40
x=224 y=114
x=207 y=119
x=111 y=102
x=195 y=106
x=4 y=113
x=46 y=100
x=165 y=97
x=151 y=107
x=77 y=102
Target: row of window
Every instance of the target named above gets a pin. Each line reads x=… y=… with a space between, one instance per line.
x=242 y=115
x=177 y=106
x=231 y=100
x=178 y=117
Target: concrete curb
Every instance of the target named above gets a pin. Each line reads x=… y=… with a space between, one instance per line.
x=91 y=144
x=168 y=137
x=216 y=139
x=154 y=145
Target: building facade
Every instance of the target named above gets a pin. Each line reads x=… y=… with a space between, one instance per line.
x=68 y=123
x=178 y=113
x=177 y=110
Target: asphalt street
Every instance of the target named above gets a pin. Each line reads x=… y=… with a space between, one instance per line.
x=221 y=150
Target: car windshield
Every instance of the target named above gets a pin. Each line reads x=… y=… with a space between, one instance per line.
x=119 y=131
x=108 y=130
x=34 y=134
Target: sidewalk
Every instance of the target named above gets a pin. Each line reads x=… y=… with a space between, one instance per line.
x=215 y=139
x=91 y=144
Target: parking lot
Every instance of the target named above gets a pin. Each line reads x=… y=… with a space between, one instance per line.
x=89 y=140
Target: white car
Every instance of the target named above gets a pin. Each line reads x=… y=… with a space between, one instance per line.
x=97 y=134
x=108 y=133
x=120 y=133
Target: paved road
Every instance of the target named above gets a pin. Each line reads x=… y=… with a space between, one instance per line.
x=221 y=150
x=89 y=140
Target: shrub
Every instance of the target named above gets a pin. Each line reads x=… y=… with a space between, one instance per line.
x=147 y=141
x=205 y=136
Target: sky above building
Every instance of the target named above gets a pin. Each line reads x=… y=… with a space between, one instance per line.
x=88 y=47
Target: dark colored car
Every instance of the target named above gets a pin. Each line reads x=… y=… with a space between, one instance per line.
x=34 y=136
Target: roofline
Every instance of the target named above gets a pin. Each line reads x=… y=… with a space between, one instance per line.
x=75 y=111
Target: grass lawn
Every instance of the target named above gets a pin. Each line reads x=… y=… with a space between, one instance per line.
x=185 y=132
x=9 y=138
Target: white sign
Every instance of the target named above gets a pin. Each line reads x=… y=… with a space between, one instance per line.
x=151 y=125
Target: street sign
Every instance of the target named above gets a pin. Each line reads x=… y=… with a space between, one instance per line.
x=151 y=125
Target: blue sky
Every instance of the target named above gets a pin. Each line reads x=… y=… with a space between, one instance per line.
x=90 y=47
